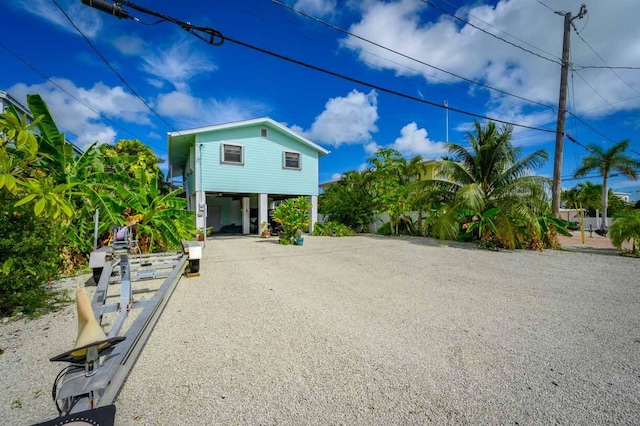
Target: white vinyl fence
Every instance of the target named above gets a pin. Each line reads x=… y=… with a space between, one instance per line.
x=379 y=219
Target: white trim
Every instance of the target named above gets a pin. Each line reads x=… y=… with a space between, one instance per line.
x=284 y=160
x=263 y=120
x=222 y=156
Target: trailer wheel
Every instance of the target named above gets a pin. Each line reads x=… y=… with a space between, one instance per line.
x=194 y=266
x=97 y=272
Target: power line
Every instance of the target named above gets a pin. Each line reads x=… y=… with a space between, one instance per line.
x=342 y=30
x=489 y=33
x=24 y=61
x=216 y=38
x=545 y=5
x=607 y=67
x=503 y=31
x=603 y=61
x=353 y=48
x=378 y=87
x=580 y=67
x=590 y=177
x=590 y=127
x=113 y=69
x=592 y=88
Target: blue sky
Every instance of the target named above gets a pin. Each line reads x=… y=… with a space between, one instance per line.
x=189 y=83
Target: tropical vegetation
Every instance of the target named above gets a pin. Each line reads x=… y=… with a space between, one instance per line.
x=626 y=228
x=485 y=191
x=332 y=229
x=50 y=195
x=588 y=196
x=605 y=161
x=293 y=215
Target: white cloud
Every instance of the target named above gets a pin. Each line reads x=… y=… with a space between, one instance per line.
x=371 y=147
x=363 y=167
x=346 y=120
x=73 y=116
x=177 y=64
x=466 y=51
x=414 y=141
x=336 y=176
x=316 y=7
x=190 y=111
x=88 y=20
x=129 y=44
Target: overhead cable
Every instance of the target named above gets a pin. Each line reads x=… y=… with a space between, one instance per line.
x=89 y=107
x=489 y=33
x=106 y=61
x=342 y=30
x=503 y=31
x=216 y=38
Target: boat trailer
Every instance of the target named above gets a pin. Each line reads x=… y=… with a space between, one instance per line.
x=100 y=362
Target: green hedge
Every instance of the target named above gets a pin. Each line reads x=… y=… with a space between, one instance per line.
x=29 y=254
x=332 y=229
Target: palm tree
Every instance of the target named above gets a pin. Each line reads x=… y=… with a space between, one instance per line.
x=490 y=174
x=605 y=161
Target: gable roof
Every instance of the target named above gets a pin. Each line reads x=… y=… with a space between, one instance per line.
x=255 y=121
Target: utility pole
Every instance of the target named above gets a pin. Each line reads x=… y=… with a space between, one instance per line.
x=562 y=109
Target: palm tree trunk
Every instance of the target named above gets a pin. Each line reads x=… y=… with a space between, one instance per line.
x=605 y=201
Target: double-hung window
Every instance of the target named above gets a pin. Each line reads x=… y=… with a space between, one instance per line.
x=232 y=154
x=291 y=160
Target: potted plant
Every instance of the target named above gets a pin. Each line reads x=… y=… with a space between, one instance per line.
x=293 y=215
x=299 y=237
x=203 y=232
x=264 y=226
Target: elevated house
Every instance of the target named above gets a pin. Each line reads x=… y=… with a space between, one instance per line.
x=234 y=173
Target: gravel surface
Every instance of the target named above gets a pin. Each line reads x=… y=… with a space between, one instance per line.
x=373 y=330
x=27 y=374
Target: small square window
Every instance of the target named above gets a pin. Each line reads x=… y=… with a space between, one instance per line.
x=232 y=154
x=263 y=132
x=292 y=160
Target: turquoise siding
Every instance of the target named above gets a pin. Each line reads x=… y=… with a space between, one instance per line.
x=225 y=210
x=262 y=171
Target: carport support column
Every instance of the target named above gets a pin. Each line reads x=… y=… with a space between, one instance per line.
x=201 y=210
x=263 y=207
x=245 y=215
x=313 y=213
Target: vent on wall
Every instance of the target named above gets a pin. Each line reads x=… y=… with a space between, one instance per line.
x=263 y=132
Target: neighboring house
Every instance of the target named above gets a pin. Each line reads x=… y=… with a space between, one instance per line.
x=6 y=100
x=624 y=196
x=234 y=173
x=571 y=215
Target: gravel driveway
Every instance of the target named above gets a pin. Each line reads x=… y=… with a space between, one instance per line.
x=373 y=330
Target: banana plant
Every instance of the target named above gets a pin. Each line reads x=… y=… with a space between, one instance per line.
x=483 y=223
x=162 y=219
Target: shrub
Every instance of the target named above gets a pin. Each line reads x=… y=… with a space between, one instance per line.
x=292 y=214
x=405 y=227
x=385 y=229
x=626 y=227
x=332 y=229
x=30 y=259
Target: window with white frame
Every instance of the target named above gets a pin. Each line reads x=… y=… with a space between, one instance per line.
x=291 y=160
x=232 y=154
x=263 y=132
